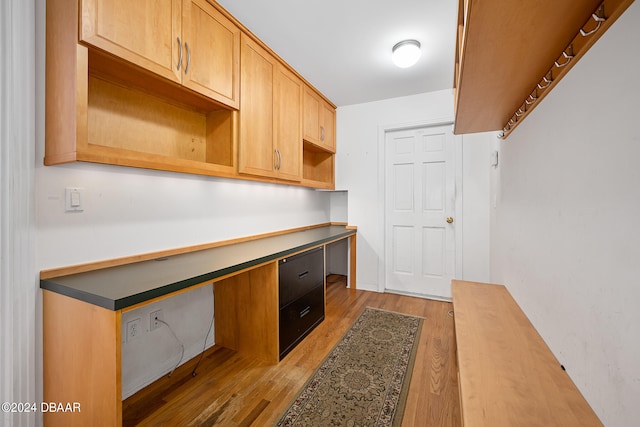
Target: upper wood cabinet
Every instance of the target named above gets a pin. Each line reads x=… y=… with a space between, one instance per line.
x=510 y=55
x=319 y=121
x=256 y=154
x=288 y=123
x=186 y=41
x=103 y=109
x=270 y=142
x=213 y=52
x=156 y=84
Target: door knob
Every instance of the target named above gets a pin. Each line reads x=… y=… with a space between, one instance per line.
x=450 y=219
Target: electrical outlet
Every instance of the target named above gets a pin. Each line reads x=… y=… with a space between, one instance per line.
x=133 y=329
x=154 y=318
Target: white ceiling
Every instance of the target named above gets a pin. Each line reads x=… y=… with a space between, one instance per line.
x=343 y=47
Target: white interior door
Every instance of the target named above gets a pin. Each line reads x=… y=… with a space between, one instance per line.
x=420 y=211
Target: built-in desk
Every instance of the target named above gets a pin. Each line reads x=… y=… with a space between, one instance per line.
x=82 y=312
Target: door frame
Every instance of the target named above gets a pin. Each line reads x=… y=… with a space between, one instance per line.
x=382 y=159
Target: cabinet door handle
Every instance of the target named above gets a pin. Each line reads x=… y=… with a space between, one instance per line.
x=186 y=69
x=305 y=311
x=279 y=159
x=303 y=274
x=321 y=133
x=179 y=54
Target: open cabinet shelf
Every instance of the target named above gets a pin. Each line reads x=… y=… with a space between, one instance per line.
x=318 y=166
x=127 y=117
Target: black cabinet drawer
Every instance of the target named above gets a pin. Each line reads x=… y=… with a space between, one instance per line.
x=299 y=318
x=299 y=274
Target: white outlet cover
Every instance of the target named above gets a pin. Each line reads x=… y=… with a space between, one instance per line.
x=153 y=325
x=134 y=329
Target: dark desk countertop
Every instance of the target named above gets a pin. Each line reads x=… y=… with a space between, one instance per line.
x=119 y=287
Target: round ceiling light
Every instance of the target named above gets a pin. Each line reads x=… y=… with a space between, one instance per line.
x=406 y=53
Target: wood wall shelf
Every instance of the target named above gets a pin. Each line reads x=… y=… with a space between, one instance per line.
x=505 y=49
x=507 y=375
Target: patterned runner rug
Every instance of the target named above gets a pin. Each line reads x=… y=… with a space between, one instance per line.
x=365 y=378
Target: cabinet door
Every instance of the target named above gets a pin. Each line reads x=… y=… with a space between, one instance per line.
x=311 y=122
x=144 y=32
x=288 y=124
x=257 y=70
x=319 y=121
x=211 y=52
x=328 y=127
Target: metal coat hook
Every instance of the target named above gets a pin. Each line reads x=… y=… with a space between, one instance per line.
x=569 y=57
x=599 y=18
x=546 y=80
x=532 y=99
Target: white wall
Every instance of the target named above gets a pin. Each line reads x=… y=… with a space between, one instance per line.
x=475 y=205
x=18 y=289
x=131 y=211
x=565 y=229
x=337 y=257
x=339 y=201
x=357 y=169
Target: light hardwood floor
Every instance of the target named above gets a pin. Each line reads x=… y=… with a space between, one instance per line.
x=231 y=390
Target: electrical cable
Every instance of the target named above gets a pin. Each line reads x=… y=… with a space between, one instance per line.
x=204 y=345
x=179 y=342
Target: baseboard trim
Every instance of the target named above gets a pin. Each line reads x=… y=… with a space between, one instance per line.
x=413 y=294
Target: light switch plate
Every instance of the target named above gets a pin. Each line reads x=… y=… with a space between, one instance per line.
x=73 y=199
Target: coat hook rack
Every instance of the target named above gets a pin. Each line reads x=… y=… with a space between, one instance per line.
x=574 y=50
x=571 y=53
x=599 y=18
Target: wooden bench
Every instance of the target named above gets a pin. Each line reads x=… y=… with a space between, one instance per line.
x=507 y=374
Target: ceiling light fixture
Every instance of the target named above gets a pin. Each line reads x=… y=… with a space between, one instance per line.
x=406 y=53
